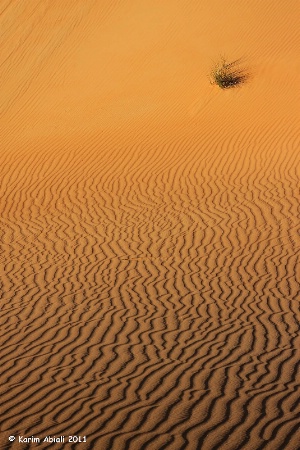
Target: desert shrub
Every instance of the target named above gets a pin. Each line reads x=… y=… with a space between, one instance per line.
x=228 y=74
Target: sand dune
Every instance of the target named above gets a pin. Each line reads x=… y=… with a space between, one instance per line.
x=149 y=225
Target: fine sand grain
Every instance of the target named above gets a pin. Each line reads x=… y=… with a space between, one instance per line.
x=149 y=225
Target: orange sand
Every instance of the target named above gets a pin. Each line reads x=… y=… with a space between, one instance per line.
x=149 y=225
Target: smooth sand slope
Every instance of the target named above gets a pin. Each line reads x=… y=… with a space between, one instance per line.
x=149 y=225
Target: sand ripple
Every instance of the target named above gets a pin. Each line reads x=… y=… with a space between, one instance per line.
x=149 y=249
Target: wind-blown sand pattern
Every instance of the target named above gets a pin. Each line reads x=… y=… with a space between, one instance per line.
x=149 y=225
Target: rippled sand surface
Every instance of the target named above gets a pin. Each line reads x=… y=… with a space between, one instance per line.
x=149 y=225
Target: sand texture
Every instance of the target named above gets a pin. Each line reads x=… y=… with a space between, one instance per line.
x=149 y=225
